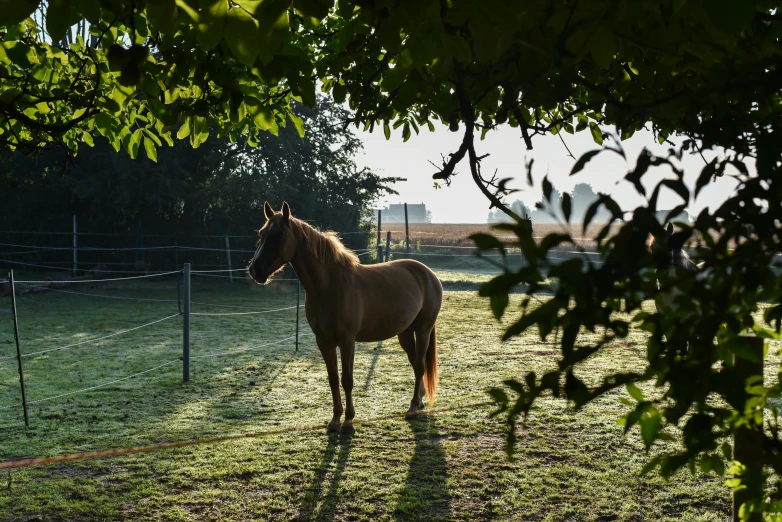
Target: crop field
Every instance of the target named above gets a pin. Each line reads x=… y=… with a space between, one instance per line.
x=448 y=465
x=454 y=234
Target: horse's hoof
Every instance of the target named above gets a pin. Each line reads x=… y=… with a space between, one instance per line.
x=333 y=428
x=347 y=429
x=411 y=413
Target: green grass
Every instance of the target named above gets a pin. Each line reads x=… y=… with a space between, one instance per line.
x=447 y=466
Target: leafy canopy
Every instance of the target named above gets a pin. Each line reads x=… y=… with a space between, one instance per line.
x=706 y=69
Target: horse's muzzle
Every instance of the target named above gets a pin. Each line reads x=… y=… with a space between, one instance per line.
x=258 y=275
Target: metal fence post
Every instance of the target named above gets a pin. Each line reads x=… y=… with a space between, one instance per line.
x=407 y=232
x=379 y=225
x=75 y=260
x=228 y=253
x=186 y=326
x=298 y=306
x=748 y=440
x=18 y=350
x=388 y=245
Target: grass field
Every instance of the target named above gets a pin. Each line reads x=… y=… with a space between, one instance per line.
x=446 y=466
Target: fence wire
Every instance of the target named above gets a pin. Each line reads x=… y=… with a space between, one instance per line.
x=217 y=354
x=96 y=339
x=243 y=313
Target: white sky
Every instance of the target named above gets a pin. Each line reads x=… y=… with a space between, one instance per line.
x=462 y=202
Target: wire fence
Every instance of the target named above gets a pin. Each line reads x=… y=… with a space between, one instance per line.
x=234 y=311
x=445 y=258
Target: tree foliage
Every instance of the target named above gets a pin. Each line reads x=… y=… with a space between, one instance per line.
x=220 y=188
x=704 y=69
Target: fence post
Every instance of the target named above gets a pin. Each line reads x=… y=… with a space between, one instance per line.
x=298 y=297
x=379 y=227
x=186 y=326
x=18 y=351
x=75 y=259
x=748 y=440
x=388 y=245
x=521 y=252
x=407 y=232
x=228 y=253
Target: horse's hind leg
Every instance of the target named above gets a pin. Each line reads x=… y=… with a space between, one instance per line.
x=407 y=341
x=422 y=332
x=329 y=353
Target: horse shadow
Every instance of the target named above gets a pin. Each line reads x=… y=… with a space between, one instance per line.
x=425 y=495
x=317 y=503
x=373 y=364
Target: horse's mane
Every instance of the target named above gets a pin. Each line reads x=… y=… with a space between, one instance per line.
x=324 y=246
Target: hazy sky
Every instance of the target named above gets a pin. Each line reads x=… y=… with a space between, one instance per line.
x=463 y=203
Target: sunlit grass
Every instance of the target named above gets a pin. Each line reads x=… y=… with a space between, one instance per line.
x=448 y=466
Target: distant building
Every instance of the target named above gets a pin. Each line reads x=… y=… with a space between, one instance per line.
x=416 y=213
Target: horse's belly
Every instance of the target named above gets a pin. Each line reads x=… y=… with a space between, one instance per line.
x=381 y=325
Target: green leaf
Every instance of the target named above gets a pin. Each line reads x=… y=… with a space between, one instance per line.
x=58 y=18
x=387 y=130
x=583 y=160
x=163 y=14
x=298 y=123
x=487 y=242
x=304 y=88
x=634 y=392
x=86 y=137
x=149 y=147
x=317 y=9
x=150 y=135
x=602 y=47
x=89 y=9
x=211 y=22
x=273 y=23
x=14 y=11
x=547 y=188
x=184 y=129
x=241 y=33
x=262 y=115
x=394 y=78
x=651 y=422
x=134 y=142
x=566 y=206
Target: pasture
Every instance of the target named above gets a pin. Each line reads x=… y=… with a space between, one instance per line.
x=446 y=466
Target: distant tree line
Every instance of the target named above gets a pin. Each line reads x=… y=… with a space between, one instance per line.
x=217 y=188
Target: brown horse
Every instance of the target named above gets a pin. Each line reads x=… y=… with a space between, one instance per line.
x=680 y=264
x=348 y=302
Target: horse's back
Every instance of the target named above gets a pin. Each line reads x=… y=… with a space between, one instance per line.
x=394 y=295
x=407 y=272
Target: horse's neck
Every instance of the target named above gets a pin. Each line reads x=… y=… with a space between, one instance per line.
x=314 y=275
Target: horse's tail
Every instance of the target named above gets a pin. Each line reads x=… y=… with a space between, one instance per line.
x=430 y=368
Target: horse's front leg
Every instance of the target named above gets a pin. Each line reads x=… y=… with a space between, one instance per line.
x=347 y=350
x=329 y=352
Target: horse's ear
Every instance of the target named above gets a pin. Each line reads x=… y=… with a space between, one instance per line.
x=286 y=211
x=268 y=210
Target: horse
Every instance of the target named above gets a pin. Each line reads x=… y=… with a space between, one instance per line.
x=347 y=302
x=680 y=263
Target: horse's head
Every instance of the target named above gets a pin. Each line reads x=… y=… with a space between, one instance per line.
x=276 y=244
x=660 y=244
x=669 y=253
